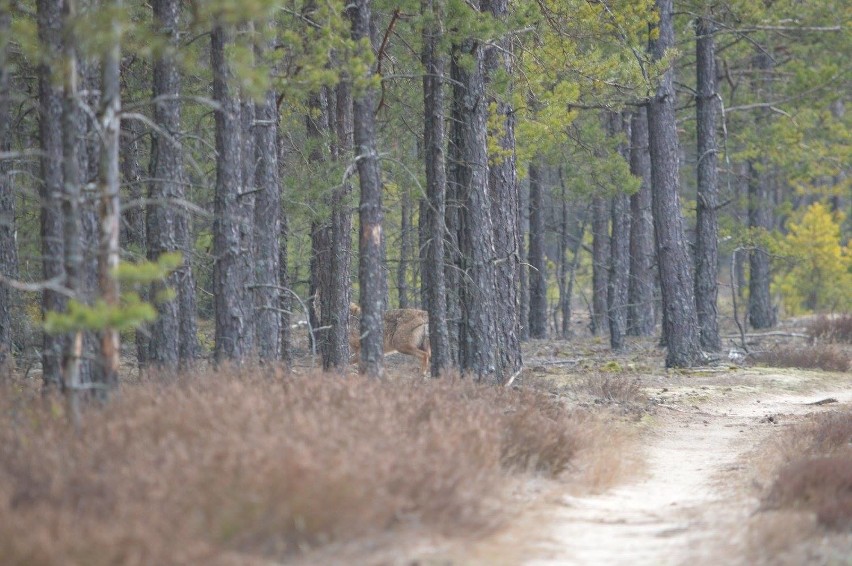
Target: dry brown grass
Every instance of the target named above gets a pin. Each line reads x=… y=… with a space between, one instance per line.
x=233 y=467
x=807 y=495
x=817 y=356
x=836 y=328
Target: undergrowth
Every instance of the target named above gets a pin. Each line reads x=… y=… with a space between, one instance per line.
x=233 y=466
x=836 y=328
x=817 y=356
x=817 y=475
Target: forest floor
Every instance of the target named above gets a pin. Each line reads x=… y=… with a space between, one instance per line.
x=695 y=496
x=697 y=468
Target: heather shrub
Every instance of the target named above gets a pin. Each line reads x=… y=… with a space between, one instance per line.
x=817 y=473
x=832 y=328
x=816 y=356
x=230 y=467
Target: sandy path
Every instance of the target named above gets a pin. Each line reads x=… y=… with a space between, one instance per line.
x=687 y=508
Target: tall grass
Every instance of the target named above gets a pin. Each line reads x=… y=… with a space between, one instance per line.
x=232 y=467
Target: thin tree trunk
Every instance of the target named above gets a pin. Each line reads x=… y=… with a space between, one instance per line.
x=166 y=171
x=505 y=210
x=133 y=221
x=537 y=261
x=680 y=322
x=760 y=312
x=71 y=203
x=436 y=187
x=51 y=188
x=452 y=245
x=8 y=248
x=267 y=230
x=232 y=299
x=524 y=279
x=707 y=201
x=640 y=295
x=619 y=263
x=370 y=272
x=404 y=250
x=600 y=264
x=110 y=210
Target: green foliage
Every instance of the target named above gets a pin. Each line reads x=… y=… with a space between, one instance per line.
x=818 y=273
x=131 y=311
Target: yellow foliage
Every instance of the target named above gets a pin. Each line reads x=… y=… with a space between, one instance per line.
x=819 y=273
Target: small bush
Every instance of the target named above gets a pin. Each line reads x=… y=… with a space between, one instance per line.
x=219 y=468
x=822 y=485
x=832 y=328
x=610 y=388
x=817 y=356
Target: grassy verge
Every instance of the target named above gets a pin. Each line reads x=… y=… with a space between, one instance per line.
x=236 y=466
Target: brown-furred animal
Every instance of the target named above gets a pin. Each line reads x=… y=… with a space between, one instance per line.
x=406 y=331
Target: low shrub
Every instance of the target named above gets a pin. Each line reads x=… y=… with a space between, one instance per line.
x=222 y=467
x=822 y=485
x=836 y=328
x=817 y=356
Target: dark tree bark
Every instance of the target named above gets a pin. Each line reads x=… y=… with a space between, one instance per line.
x=600 y=264
x=505 y=211
x=231 y=227
x=477 y=341
x=50 y=191
x=404 y=250
x=8 y=249
x=452 y=219
x=166 y=171
x=109 y=209
x=370 y=272
x=434 y=65
x=524 y=279
x=707 y=201
x=680 y=322
x=133 y=222
x=619 y=271
x=536 y=258
x=72 y=199
x=619 y=263
x=267 y=231
x=336 y=353
x=760 y=311
x=640 y=296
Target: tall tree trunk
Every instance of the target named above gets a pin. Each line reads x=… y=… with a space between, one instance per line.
x=436 y=186
x=505 y=210
x=619 y=263
x=640 y=295
x=133 y=221
x=231 y=228
x=524 y=279
x=267 y=230
x=336 y=304
x=760 y=205
x=707 y=201
x=166 y=170
x=680 y=322
x=600 y=264
x=267 y=226
x=537 y=261
x=109 y=209
x=71 y=201
x=8 y=249
x=476 y=234
x=370 y=272
x=404 y=249
x=760 y=312
x=452 y=219
x=51 y=188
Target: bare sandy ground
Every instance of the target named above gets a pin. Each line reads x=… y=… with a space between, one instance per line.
x=694 y=499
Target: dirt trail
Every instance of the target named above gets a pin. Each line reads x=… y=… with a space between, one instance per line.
x=689 y=506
